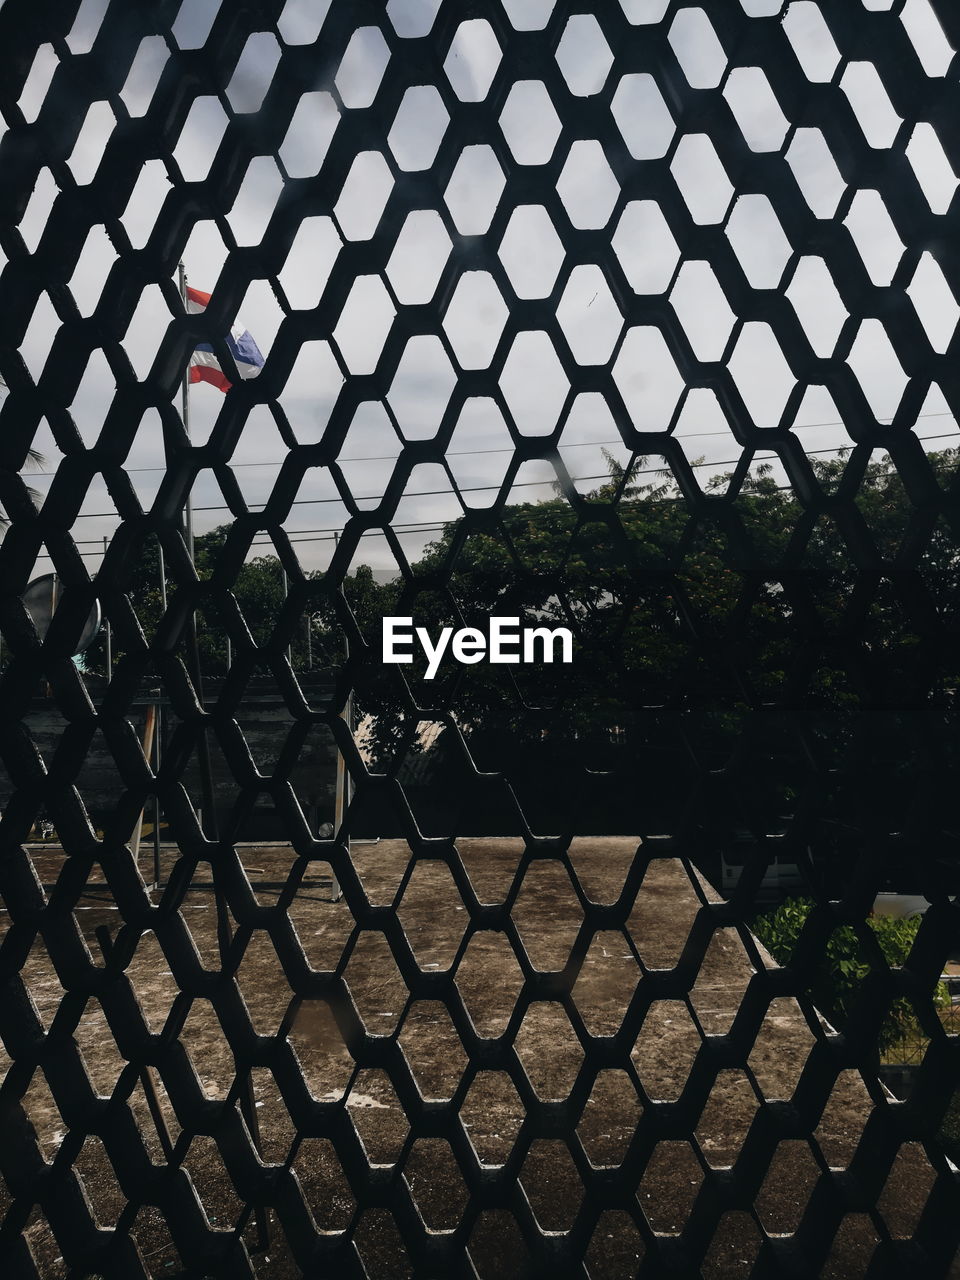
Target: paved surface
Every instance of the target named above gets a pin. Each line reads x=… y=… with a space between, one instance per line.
x=548 y=916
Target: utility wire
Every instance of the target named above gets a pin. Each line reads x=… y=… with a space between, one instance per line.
x=331 y=536
x=470 y=453
x=522 y=484
x=330 y=533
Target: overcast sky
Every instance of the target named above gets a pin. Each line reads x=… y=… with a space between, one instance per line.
x=533 y=382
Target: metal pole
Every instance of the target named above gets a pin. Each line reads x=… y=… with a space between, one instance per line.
x=185 y=414
x=286 y=592
x=161 y=565
x=229 y=654
x=156 y=800
x=344 y=782
x=53 y=609
x=344 y=787
x=342 y=792
x=108 y=634
x=341 y=801
x=208 y=814
x=163 y=576
x=149 y=727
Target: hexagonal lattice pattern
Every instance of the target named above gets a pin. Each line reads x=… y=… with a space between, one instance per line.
x=642 y=310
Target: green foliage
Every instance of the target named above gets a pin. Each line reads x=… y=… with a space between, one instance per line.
x=258 y=590
x=845 y=963
x=655 y=596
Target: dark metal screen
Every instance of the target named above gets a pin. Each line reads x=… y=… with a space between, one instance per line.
x=663 y=221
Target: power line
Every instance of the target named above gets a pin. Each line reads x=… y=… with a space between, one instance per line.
x=331 y=535
x=407 y=527
x=485 y=488
x=470 y=453
x=392 y=457
x=451 y=453
x=404 y=526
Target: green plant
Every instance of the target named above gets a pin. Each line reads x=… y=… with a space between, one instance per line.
x=845 y=963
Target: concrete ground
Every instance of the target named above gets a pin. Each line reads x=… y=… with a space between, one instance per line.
x=548 y=916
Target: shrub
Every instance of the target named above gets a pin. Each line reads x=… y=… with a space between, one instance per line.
x=844 y=965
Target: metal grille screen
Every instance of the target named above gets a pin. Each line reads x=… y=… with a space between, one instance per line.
x=633 y=316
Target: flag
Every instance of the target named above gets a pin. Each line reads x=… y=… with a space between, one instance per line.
x=204 y=365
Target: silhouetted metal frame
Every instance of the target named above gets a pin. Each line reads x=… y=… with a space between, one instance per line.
x=25 y=149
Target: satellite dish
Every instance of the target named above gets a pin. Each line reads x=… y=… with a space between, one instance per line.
x=41 y=599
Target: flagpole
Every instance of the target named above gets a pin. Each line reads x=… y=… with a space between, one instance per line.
x=208 y=808
x=185 y=414
x=209 y=824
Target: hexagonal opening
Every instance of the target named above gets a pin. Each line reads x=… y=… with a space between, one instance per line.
x=421 y=387
x=587 y=186
x=419 y=256
x=373 y=979
x=642 y=117
x=610 y=1119
x=433 y=1049
x=647 y=378
x=529 y=122
x=818 y=305
x=436 y=1183
x=701 y=177
x=549 y=1050
x=309 y=136
x=412 y=21
x=474 y=189
x=363 y=196
x=489 y=980
x=702 y=309
x=418 y=128
x=492 y=1114
x=756 y=109
x=758 y=240
x=606 y=983
x=584 y=56
x=665 y=1049
x=475 y=319
x=531 y=251
x=365 y=321
x=589 y=316
x=760 y=370
x=472 y=60
x=697 y=49
x=533 y=383
x=669 y=1186
x=552 y=1185
x=362 y=66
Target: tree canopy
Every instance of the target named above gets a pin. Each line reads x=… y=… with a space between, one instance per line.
x=714 y=605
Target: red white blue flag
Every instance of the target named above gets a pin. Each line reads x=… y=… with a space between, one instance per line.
x=204 y=365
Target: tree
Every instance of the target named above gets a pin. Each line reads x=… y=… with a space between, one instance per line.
x=258 y=590
x=713 y=610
